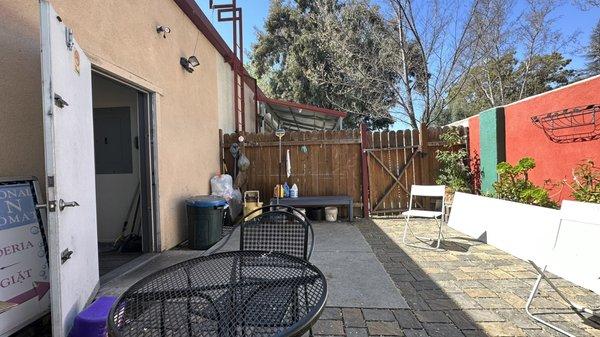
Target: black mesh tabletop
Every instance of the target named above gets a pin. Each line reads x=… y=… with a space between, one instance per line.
x=242 y=293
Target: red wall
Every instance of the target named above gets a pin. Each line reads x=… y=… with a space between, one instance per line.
x=473 y=136
x=523 y=139
x=474 y=152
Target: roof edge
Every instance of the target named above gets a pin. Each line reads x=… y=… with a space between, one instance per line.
x=573 y=84
x=329 y=112
x=195 y=14
x=191 y=9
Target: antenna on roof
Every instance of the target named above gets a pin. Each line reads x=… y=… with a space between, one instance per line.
x=230 y=12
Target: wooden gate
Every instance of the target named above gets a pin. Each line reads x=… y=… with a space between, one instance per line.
x=395 y=161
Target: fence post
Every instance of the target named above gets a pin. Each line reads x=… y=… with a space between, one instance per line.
x=424 y=148
x=364 y=143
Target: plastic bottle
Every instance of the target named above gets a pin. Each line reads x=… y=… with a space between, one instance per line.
x=294 y=191
x=278 y=191
x=286 y=190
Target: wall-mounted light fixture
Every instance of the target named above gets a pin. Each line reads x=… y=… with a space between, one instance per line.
x=164 y=30
x=189 y=63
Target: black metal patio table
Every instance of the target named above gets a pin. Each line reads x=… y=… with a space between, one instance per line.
x=241 y=293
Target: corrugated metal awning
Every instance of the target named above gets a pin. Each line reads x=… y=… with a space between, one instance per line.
x=300 y=117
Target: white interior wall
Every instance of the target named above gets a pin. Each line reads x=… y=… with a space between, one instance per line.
x=520 y=229
x=114 y=192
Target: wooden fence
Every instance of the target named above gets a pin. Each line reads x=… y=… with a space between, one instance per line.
x=373 y=167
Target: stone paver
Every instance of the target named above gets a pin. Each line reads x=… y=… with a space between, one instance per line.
x=506 y=329
x=331 y=313
x=384 y=329
x=328 y=327
x=462 y=320
x=443 y=329
x=415 y=333
x=378 y=315
x=407 y=319
x=431 y=316
x=353 y=317
x=357 y=332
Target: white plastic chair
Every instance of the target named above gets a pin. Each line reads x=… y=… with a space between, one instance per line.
x=434 y=191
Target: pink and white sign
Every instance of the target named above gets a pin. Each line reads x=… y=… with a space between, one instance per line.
x=24 y=272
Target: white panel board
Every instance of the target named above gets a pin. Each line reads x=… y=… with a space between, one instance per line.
x=577 y=249
x=524 y=231
x=565 y=240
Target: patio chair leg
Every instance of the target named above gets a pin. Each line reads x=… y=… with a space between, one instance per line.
x=575 y=307
x=421 y=239
x=405 y=230
x=439 y=240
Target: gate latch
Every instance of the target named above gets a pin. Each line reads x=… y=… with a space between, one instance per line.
x=64 y=204
x=51 y=206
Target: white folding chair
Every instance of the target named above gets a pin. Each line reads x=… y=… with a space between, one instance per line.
x=574 y=257
x=432 y=191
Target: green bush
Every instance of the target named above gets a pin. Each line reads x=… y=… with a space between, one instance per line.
x=513 y=184
x=454 y=173
x=586 y=182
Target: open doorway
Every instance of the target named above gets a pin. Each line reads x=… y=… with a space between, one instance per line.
x=122 y=159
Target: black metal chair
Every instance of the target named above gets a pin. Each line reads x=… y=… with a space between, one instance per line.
x=282 y=229
x=277 y=228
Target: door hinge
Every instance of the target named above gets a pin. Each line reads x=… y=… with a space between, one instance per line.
x=65 y=255
x=69 y=38
x=50 y=181
x=59 y=101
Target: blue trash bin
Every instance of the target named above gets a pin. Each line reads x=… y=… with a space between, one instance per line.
x=205 y=215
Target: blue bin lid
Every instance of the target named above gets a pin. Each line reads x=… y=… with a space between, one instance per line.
x=204 y=201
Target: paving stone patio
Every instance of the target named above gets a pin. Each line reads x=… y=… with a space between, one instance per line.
x=471 y=289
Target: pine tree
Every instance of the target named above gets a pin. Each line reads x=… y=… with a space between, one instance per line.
x=294 y=59
x=593 y=53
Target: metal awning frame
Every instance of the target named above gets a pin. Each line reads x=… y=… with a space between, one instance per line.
x=318 y=115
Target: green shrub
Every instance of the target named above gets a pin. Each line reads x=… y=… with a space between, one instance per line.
x=586 y=182
x=513 y=184
x=454 y=173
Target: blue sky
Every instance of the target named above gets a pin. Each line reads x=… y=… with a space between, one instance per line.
x=254 y=13
x=570 y=19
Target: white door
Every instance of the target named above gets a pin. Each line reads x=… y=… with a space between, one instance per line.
x=70 y=181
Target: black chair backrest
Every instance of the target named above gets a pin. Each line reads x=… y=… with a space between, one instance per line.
x=285 y=231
